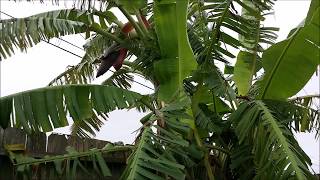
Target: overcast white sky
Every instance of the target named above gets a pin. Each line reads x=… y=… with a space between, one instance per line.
x=44 y=62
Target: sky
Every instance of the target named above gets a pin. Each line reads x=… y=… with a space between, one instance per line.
x=42 y=63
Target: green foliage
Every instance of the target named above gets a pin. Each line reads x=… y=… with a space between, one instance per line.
x=207 y=110
x=177 y=59
x=23 y=33
x=132 y=7
x=47 y=108
x=282 y=62
x=248 y=60
x=201 y=123
x=121 y=78
x=276 y=152
x=83 y=72
x=242 y=71
x=299 y=115
x=314 y=5
x=67 y=165
x=211 y=77
x=152 y=158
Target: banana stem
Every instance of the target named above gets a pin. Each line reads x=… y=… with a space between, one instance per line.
x=141 y=23
x=206 y=155
x=133 y=22
x=106 y=33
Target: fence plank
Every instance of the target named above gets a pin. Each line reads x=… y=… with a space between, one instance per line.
x=36 y=144
x=57 y=144
x=1 y=141
x=14 y=136
x=76 y=142
x=90 y=143
x=101 y=143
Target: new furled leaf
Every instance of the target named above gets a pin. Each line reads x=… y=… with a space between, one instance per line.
x=177 y=60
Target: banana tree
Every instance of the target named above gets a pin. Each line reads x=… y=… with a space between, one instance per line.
x=200 y=123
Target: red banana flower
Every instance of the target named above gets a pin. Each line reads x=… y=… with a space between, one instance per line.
x=115 y=55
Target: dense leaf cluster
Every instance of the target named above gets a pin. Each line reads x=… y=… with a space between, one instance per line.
x=201 y=123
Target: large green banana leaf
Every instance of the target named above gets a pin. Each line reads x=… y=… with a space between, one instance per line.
x=291 y=63
x=150 y=162
x=25 y=32
x=244 y=68
x=243 y=71
x=47 y=108
x=276 y=152
x=177 y=56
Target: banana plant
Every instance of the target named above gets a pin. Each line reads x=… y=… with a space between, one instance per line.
x=200 y=124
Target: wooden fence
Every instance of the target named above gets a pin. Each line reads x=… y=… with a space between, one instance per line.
x=39 y=145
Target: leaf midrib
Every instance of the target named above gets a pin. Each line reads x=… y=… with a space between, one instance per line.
x=278 y=62
x=282 y=139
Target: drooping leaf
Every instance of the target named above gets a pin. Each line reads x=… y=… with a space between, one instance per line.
x=215 y=43
x=121 y=78
x=299 y=113
x=276 y=152
x=84 y=103
x=26 y=32
x=243 y=71
x=150 y=161
x=104 y=168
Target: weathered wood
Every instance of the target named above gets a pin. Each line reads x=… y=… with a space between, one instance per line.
x=87 y=144
x=90 y=143
x=57 y=144
x=101 y=143
x=76 y=142
x=6 y=168
x=1 y=141
x=14 y=136
x=116 y=157
x=36 y=144
x=36 y=147
x=94 y=143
